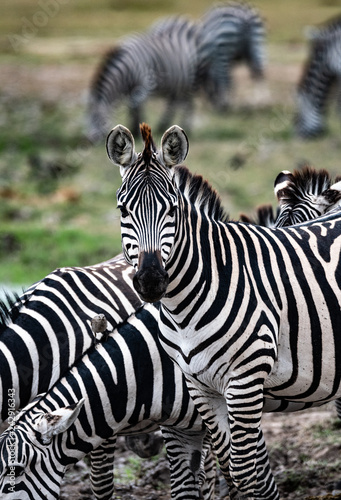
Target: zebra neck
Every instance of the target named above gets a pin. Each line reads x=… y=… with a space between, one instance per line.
x=193 y=267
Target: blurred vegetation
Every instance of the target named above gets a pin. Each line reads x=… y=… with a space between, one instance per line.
x=57 y=194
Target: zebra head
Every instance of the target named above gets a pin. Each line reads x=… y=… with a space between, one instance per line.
x=31 y=459
x=148 y=199
x=304 y=195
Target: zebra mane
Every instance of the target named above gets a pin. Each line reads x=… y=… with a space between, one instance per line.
x=200 y=193
x=299 y=183
x=149 y=146
x=9 y=309
x=264 y=216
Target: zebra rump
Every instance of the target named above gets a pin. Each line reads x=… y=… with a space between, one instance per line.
x=320 y=74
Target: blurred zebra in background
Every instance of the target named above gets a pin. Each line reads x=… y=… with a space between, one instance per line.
x=162 y=62
x=322 y=71
x=229 y=33
x=175 y=59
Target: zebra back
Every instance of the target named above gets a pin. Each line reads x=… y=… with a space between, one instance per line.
x=109 y=390
x=49 y=327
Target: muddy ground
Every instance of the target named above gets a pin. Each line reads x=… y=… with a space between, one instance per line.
x=304 y=450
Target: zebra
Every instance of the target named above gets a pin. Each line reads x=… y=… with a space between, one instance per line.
x=320 y=74
x=163 y=61
x=229 y=294
x=48 y=329
x=229 y=33
x=303 y=195
x=104 y=394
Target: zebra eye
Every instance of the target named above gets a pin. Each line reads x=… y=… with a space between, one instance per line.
x=124 y=211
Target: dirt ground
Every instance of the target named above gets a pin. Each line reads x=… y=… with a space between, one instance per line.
x=304 y=450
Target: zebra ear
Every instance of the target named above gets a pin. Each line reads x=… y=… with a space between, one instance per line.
x=57 y=421
x=282 y=181
x=174 y=146
x=121 y=147
x=332 y=195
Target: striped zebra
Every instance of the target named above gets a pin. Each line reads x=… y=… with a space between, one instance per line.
x=161 y=62
x=124 y=385
x=322 y=70
x=48 y=329
x=243 y=307
x=303 y=195
x=229 y=33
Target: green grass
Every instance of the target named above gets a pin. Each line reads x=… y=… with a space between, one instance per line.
x=30 y=253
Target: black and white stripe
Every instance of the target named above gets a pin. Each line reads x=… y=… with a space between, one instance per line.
x=303 y=195
x=49 y=328
x=322 y=70
x=229 y=33
x=161 y=62
x=243 y=307
x=124 y=385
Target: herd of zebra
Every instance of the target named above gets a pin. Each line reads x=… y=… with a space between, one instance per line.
x=82 y=389
x=177 y=58
x=201 y=324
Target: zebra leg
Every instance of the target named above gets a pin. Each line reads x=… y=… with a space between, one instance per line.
x=145 y=445
x=219 y=85
x=208 y=469
x=338 y=407
x=254 y=464
x=102 y=469
x=249 y=466
x=184 y=456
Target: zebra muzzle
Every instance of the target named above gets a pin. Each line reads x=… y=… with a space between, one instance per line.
x=151 y=280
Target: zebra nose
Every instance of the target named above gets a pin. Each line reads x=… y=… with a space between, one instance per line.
x=151 y=280
x=151 y=283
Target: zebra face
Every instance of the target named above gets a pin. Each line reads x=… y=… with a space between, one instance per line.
x=148 y=200
x=30 y=454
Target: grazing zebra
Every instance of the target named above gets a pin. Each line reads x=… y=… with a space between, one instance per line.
x=106 y=393
x=243 y=307
x=322 y=70
x=229 y=33
x=49 y=328
x=162 y=62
